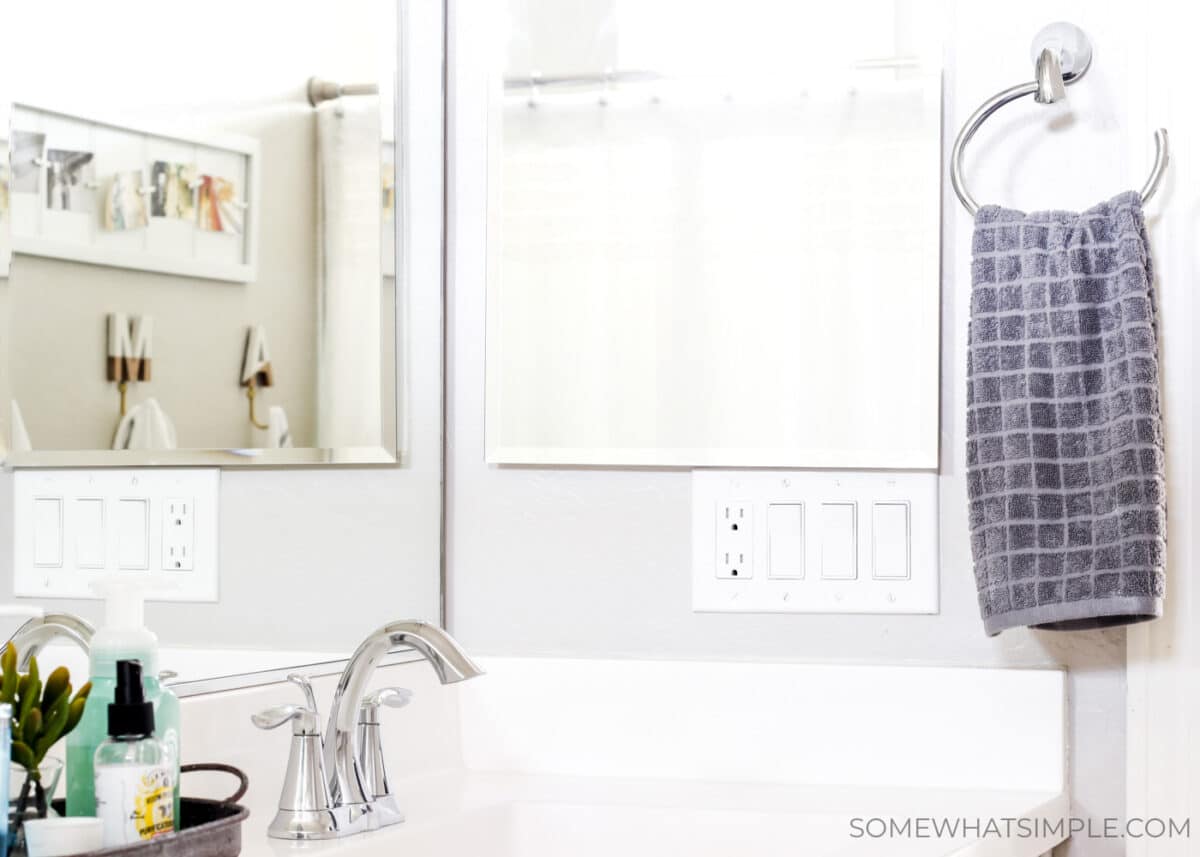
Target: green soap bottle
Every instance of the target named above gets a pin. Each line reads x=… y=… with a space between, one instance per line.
x=123 y=637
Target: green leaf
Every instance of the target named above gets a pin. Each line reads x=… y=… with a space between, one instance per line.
x=31 y=726
x=30 y=693
x=83 y=692
x=47 y=706
x=76 y=713
x=33 y=671
x=52 y=729
x=56 y=717
x=8 y=663
x=23 y=756
x=56 y=683
x=22 y=695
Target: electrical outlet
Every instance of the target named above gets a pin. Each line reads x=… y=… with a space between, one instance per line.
x=735 y=539
x=179 y=534
x=73 y=528
x=814 y=541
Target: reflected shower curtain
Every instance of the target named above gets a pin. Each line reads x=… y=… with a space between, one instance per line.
x=348 y=314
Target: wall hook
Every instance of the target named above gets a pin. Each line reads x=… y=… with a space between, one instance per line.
x=256 y=369
x=250 y=394
x=129 y=351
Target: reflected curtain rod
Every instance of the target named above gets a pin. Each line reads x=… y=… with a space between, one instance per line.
x=326 y=90
x=537 y=80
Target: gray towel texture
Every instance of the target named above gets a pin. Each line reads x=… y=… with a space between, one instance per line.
x=1065 y=474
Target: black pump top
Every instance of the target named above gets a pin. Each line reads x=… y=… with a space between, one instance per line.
x=129 y=714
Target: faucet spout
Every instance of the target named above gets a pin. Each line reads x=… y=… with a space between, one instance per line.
x=35 y=634
x=446 y=657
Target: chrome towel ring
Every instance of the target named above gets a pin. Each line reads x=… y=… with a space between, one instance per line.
x=1062 y=55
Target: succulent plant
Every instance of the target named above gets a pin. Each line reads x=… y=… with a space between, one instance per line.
x=42 y=713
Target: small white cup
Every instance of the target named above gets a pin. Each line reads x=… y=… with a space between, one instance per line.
x=58 y=837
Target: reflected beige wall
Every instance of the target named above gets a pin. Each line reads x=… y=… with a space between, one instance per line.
x=58 y=335
x=55 y=337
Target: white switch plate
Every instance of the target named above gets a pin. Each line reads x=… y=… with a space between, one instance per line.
x=859 y=589
x=118 y=522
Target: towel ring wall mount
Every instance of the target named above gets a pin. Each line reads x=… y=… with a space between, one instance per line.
x=1062 y=55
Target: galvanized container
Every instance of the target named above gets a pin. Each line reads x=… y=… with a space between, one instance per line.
x=208 y=828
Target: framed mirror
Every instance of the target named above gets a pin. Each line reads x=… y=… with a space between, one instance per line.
x=713 y=259
x=217 y=262
x=327 y=260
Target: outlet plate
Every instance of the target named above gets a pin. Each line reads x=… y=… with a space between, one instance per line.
x=734 y=528
x=852 y=579
x=179 y=533
x=117 y=522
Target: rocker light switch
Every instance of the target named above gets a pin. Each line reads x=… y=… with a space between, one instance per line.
x=785 y=540
x=47 y=532
x=133 y=534
x=89 y=532
x=839 y=541
x=889 y=541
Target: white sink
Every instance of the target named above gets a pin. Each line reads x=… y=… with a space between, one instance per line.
x=597 y=830
x=549 y=757
x=464 y=814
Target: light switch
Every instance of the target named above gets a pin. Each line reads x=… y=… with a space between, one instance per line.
x=889 y=541
x=133 y=534
x=785 y=540
x=839 y=543
x=88 y=524
x=47 y=532
x=72 y=528
x=827 y=541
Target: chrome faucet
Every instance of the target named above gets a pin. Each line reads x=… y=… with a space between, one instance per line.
x=336 y=786
x=33 y=636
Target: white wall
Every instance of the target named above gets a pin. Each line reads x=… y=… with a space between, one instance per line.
x=594 y=562
x=1164 y=696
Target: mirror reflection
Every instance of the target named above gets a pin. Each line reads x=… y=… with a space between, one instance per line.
x=198 y=248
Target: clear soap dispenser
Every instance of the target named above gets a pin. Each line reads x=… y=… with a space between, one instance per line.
x=123 y=636
x=135 y=789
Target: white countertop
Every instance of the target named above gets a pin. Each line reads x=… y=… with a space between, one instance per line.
x=518 y=815
x=554 y=757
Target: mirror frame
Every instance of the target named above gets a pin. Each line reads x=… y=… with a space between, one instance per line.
x=421 y=255
x=395 y=450
x=238 y=681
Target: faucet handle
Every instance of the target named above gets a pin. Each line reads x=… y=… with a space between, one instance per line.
x=306 y=807
x=370 y=746
x=305 y=685
x=392 y=697
x=304 y=720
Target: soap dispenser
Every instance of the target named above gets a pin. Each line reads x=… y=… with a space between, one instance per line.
x=123 y=636
x=134 y=769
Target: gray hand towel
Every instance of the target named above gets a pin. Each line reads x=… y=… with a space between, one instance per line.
x=1064 y=436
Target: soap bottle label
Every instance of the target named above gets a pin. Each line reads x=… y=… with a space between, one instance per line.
x=135 y=802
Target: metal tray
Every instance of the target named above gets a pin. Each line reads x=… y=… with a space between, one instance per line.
x=208 y=828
